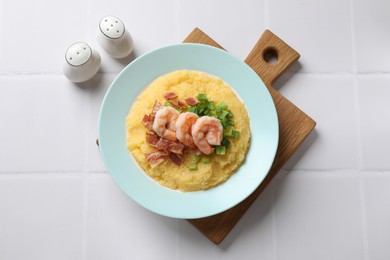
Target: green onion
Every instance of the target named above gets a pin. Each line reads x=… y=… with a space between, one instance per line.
x=218 y=110
x=225 y=123
x=223 y=105
x=223 y=114
x=202 y=97
x=230 y=114
x=225 y=142
x=211 y=105
x=206 y=160
x=213 y=114
x=235 y=133
x=196 y=159
x=193 y=168
x=168 y=104
x=220 y=150
x=231 y=122
x=227 y=133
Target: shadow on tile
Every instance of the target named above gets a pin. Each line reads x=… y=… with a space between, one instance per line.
x=302 y=149
x=286 y=76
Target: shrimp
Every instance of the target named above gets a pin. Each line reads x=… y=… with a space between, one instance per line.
x=183 y=128
x=164 y=123
x=207 y=131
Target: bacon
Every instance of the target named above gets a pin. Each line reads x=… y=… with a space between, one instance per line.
x=175 y=147
x=163 y=145
x=176 y=159
x=156 y=107
x=167 y=146
x=170 y=95
x=156 y=158
x=191 y=101
x=181 y=104
x=174 y=103
x=148 y=121
x=152 y=138
x=186 y=150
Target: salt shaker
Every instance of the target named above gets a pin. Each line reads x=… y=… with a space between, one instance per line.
x=114 y=38
x=82 y=62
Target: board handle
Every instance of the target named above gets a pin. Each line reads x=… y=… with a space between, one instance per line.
x=268 y=48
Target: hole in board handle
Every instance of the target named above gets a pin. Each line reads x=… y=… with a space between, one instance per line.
x=270 y=55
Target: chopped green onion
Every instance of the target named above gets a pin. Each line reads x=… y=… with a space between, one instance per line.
x=227 y=133
x=168 y=104
x=225 y=123
x=218 y=110
x=196 y=158
x=193 y=168
x=206 y=160
x=220 y=150
x=211 y=105
x=225 y=142
x=222 y=105
x=223 y=114
x=230 y=114
x=231 y=122
x=202 y=97
x=213 y=114
x=235 y=133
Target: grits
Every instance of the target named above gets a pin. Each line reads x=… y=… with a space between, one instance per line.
x=220 y=167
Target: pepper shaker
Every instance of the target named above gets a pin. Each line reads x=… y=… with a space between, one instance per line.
x=82 y=62
x=114 y=38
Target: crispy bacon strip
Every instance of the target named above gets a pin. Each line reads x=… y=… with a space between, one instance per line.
x=156 y=158
x=176 y=159
x=191 y=101
x=169 y=146
x=181 y=104
x=152 y=138
x=162 y=145
x=156 y=107
x=176 y=147
x=148 y=121
x=170 y=95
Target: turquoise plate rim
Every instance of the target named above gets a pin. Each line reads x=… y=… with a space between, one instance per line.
x=141 y=188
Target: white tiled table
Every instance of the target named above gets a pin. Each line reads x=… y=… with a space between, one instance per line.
x=330 y=201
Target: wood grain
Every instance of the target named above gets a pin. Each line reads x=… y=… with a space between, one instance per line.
x=294 y=125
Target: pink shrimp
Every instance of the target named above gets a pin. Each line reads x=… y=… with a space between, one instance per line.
x=164 y=123
x=183 y=128
x=207 y=131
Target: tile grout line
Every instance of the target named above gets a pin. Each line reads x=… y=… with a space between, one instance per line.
x=363 y=212
x=273 y=223
x=363 y=205
x=1 y=35
x=84 y=232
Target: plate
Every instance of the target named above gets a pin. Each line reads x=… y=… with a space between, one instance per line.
x=148 y=193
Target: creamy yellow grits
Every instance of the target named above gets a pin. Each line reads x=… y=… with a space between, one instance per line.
x=179 y=177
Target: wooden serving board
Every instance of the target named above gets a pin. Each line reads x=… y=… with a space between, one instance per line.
x=294 y=125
